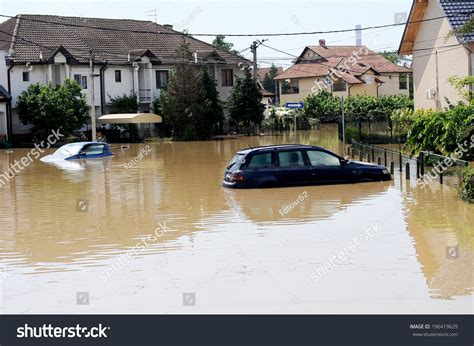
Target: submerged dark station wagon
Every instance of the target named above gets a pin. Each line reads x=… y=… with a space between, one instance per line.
x=291 y=165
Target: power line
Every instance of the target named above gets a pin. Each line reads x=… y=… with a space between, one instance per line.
x=171 y=32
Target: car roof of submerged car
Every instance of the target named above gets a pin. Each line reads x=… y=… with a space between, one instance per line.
x=275 y=147
x=82 y=144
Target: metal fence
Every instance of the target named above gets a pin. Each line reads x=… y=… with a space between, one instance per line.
x=426 y=166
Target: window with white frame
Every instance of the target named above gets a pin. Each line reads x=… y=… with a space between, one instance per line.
x=81 y=80
x=162 y=77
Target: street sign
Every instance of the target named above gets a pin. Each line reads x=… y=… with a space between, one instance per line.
x=293 y=105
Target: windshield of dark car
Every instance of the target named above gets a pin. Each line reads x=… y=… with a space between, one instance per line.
x=234 y=164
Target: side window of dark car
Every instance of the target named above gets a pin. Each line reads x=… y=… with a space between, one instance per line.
x=260 y=161
x=290 y=159
x=96 y=149
x=321 y=158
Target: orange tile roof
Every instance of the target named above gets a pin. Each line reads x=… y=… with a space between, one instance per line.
x=339 y=56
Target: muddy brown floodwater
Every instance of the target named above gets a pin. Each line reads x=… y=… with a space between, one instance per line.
x=163 y=236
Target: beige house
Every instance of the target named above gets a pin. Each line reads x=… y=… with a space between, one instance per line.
x=437 y=55
x=343 y=70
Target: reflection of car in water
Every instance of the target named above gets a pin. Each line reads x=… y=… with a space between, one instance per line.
x=291 y=165
x=80 y=151
x=300 y=203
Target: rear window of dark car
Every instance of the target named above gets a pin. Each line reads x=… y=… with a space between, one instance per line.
x=234 y=164
x=260 y=161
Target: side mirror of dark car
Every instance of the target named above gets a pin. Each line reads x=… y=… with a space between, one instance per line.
x=344 y=162
x=82 y=153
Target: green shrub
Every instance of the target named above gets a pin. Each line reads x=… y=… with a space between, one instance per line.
x=442 y=131
x=190 y=133
x=124 y=104
x=466 y=188
x=322 y=106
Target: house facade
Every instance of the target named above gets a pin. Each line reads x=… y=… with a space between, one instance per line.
x=128 y=56
x=438 y=54
x=342 y=70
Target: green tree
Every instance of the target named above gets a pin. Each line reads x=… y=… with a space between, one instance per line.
x=392 y=56
x=212 y=112
x=245 y=102
x=467 y=28
x=220 y=43
x=268 y=81
x=464 y=87
x=49 y=107
x=180 y=102
x=323 y=106
x=124 y=104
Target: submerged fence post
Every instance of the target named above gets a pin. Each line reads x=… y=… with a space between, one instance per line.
x=379 y=161
x=400 y=163
x=407 y=170
x=422 y=163
x=418 y=167
x=441 y=178
x=392 y=167
x=368 y=157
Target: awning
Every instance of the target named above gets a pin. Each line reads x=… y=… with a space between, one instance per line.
x=130 y=118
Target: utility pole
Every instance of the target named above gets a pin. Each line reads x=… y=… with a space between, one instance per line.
x=253 y=49
x=91 y=92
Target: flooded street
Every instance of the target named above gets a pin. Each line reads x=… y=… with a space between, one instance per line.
x=133 y=237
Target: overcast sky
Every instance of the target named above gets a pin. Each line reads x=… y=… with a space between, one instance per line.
x=245 y=16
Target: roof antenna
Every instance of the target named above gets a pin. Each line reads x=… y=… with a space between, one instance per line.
x=153 y=13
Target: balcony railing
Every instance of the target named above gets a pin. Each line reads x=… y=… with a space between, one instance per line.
x=144 y=95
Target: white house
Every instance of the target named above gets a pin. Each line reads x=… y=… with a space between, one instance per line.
x=129 y=56
x=437 y=53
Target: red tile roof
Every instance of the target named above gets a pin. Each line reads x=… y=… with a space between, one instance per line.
x=367 y=56
x=309 y=69
x=340 y=57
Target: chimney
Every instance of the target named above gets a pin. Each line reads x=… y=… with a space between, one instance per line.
x=168 y=26
x=358 y=35
x=322 y=43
